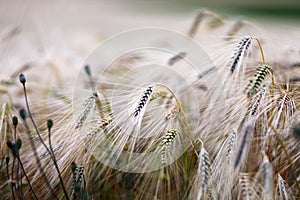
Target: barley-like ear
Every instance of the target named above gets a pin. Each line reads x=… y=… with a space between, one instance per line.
x=282 y=189
x=239 y=52
x=176 y=58
x=255 y=84
x=286 y=101
x=294 y=79
x=244 y=145
x=230 y=144
x=143 y=101
x=171 y=112
x=87 y=107
x=78 y=183
x=249 y=189
x=99 y=126
x=257 y=99
x=202 y=181
x=157 y=94
x=166 y=143
x=267 y=172
x=201 y=15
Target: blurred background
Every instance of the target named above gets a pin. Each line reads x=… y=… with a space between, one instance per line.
x=66 y=31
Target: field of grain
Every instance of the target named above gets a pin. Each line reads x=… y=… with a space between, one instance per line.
x=115 y=100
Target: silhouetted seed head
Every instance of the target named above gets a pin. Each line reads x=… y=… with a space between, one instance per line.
x=7 y=159
x=296 y=131
x=15 y=121
x=19 y=143
x=49 y=124
x=23 y=114
x=9 y=144
x=73 y=166
x=87 y=70
x=22 y=79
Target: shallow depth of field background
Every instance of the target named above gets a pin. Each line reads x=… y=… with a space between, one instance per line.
x=71 y=29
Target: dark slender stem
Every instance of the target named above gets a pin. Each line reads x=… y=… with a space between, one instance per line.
x=11 y=186
x=12 y=172
x=20 y=192
x=33 y=122
x=30 y=187
x=32 y=143
x=20 y=182
x=38 y=160
x=56 y=166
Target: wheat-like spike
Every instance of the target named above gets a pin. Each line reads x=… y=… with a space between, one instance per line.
x=143 y=101
x=176 y=58
x=171 y=112
x=166 y=143
x=201 y=15
x=282 y=186
x=243 y=145
x=156 y=94
x=259 y=76
x=239 y=52
x=267 y=172
x=248 y=188
x=285 y=100
x=87 y=107
x=257 y=99
x=203 y=171
x=245 y=187
x=230 y=144
x=294 y=79
x=77 y=181
x=100 y=125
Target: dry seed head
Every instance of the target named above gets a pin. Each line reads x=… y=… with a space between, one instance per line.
x=22 y=79
x=171 y=112
x=203 y=171
x=201 y=15
x=166 y=143
x=156 y=94
x=247 y=133
x=282 y=193
x=15 y=121
x=87 y=107
x=239 y=52
x=100 y=125
x=285 y=100
x=256 y=83
x=176 y=58
x=230 y=144
x=77 y=181
x=257 y=99
x=143 y=101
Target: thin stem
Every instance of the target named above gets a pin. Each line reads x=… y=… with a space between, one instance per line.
x=12 y=173
x=56 y=166
x=30 y=187
x=180 y=109
x=20 y=193
x=39 y=135
x=20 y=181
x=286 y=152
x=261 y=50
x=11 y=186
x=37 y=159
x=33 y=122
